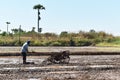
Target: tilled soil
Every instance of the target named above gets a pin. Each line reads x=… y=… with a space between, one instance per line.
x=97 y=67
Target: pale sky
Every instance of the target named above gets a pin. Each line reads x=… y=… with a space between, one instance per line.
x=62 y=15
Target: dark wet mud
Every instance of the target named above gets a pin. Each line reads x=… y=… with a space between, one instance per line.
x=97 y=67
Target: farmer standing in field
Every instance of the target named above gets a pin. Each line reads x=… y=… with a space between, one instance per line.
x=24 y=51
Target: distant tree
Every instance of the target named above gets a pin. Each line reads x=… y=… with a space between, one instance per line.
x=39 y=7
x=92 y=34
x=33 y=29
x=15 y=31
x=50 y=35
x=73 y=35
x=102 y=34
x=92 y=31
x=4 y=33
x=7 y=26
x=22 y=31
x=81 y=34
x=64 y=34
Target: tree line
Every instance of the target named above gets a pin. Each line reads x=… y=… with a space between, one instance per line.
x=81 y=38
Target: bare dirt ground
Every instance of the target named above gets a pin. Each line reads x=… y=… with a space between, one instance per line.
x=12 y=49
x=87 y=67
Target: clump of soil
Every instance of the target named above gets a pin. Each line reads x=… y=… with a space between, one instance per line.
x=58 y=58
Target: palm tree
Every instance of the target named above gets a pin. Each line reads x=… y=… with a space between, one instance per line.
x=7 y=26
x=39 y=7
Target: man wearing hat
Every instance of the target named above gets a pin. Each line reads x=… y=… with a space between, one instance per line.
x=24 y=51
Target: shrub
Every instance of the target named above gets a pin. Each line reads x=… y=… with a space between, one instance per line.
x=55 y=43
x=84 y=43
x=72 y=43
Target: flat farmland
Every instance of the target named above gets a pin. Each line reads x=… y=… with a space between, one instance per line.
x=73 y=50
x=97 y=67
x=80 y=67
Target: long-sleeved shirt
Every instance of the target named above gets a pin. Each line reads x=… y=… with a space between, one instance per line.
x=24 y=47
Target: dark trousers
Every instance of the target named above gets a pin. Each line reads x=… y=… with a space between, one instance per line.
x=24 y=57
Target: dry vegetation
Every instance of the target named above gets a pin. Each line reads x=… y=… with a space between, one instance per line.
x=81 y=38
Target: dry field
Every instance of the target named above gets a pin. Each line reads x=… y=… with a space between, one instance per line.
x=87 y=67
x=12 y=49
